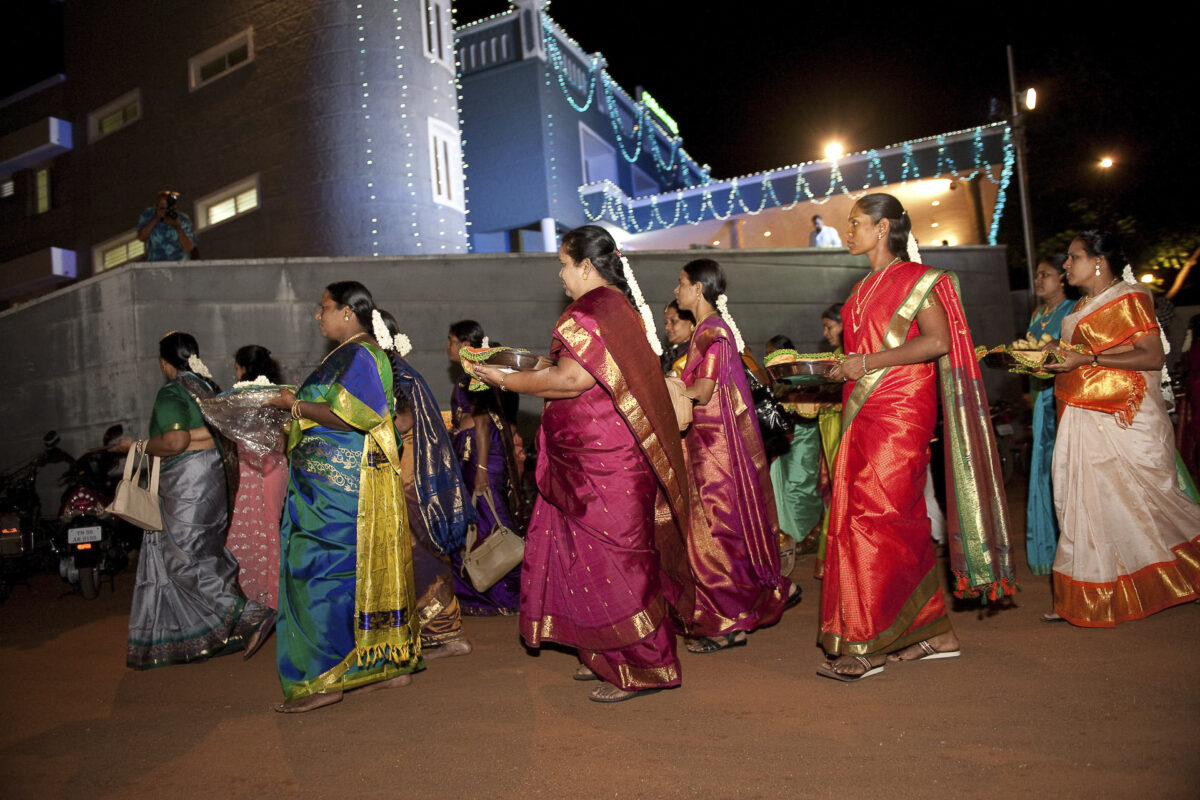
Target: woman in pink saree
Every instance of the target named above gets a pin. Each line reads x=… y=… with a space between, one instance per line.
x=733 y=545
x=605 y=569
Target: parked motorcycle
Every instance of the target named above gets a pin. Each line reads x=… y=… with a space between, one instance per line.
x=25 y=534
x=89 y=541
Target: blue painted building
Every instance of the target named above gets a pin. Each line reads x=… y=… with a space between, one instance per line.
x=552 y=142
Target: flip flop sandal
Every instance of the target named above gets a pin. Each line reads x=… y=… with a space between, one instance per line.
x=260 y=635
x=712 y=644
x=620 y=698
x=928 y=653
x=827 y=671
x=1052 y=617
x=794 y=598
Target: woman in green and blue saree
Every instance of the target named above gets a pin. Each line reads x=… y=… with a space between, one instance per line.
x=186 y=603
x=347 y=610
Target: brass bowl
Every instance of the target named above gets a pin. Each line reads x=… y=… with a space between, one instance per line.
x=803 y=373
x=519 y=360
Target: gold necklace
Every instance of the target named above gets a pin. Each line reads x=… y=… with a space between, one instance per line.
x=1091 y=297
x=343 y=344
x=859 y=302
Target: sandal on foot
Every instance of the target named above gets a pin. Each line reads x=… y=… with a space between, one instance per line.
x=1051 y=617
x=928 y=653
x=455 y=647
x=795 y=595
x=614 y=694
x=711 y=644
x=584 y=673
x=828 y=670
x=260 y=635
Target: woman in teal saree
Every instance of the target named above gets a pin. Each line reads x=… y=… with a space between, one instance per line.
x=347 y=610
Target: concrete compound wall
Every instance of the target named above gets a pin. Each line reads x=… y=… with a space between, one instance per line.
x=85 y=357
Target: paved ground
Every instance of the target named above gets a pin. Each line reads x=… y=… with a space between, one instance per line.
x=1029 y=710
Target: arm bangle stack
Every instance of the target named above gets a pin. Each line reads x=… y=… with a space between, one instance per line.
x=296 y=410
x=864 y=365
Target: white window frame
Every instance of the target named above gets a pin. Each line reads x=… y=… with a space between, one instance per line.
x=437 y=32
x=445 y=165
x=233 y=192
x=128 y=240
x=587 y=137
x=133 y=97
x=8 y=187
x=197 y=62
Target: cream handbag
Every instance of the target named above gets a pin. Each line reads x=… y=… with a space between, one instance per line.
x=134 y=504
x=500 y=552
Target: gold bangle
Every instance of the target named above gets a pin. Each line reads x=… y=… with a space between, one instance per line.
x=296 y=410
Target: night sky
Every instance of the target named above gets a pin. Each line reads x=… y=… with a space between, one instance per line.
x=756 y=86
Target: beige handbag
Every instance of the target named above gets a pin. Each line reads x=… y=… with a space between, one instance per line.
x=500 y=552
x=134 y=504
x=680 y=402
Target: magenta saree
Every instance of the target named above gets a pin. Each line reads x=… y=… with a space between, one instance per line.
x=604 y=555
x=733 y=542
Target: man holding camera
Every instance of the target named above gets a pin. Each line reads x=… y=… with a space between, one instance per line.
x=166 y=231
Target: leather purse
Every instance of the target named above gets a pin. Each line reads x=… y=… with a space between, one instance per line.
x=134 y=504
x=496 y=556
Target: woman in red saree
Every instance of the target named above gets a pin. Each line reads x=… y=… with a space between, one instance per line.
x=604 y=554
x=904 y=330
x=1129 y=542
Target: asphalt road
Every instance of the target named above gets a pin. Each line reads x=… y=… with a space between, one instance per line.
x=1030 y=709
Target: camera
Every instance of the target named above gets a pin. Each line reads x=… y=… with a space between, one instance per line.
x=172 y=199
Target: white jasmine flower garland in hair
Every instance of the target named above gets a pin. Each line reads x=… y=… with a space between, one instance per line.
x=640 y=302
x=723 y=309
x=197 y=366
x=914 y=255
x=485 y=344
x=378 y=327
x=261 y=380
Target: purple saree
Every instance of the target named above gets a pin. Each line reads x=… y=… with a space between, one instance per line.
x=605 y=563
x=733 y=544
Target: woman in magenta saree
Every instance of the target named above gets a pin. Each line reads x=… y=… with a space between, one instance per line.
x=905 y=332
x=604 y=555
x=733 y=548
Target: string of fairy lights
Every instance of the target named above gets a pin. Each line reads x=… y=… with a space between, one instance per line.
x=720 y=203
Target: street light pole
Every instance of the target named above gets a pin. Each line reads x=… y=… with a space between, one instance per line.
x=1018 y=123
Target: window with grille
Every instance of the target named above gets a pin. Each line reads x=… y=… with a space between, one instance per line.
x=109 y=118
x=216 y=62
x=225 y=204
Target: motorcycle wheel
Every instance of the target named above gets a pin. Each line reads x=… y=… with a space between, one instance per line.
x=88 y=586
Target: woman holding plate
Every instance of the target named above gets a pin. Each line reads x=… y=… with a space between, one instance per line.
x=605 y=568
x=1129 y=543
x=904 y=332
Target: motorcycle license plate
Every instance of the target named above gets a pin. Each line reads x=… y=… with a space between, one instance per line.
x=79 y=535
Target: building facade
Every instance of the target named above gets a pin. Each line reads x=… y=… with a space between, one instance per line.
x=290 y=128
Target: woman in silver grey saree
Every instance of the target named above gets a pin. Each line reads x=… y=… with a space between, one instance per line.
x=187 y=605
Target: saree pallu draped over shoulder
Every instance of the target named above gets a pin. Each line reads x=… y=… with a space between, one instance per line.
x=881 y=590
x=733 y=544
x=1129 y=543
x=605 y=567
x=347 y=613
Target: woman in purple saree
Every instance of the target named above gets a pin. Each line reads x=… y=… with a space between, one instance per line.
x=605 y=567
x=734 y=547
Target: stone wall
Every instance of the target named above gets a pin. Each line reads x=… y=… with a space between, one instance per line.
x=85 y=357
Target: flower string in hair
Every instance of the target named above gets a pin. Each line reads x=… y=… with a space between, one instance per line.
x=723 y=309
x=197 y=366
x=485 y=343
x=1127 y=275
x=383 y=337
x=914 y=255
x=640 y=302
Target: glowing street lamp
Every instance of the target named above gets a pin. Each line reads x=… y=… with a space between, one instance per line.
x=1106 y=162
x=1031 y=98
x=834 y=151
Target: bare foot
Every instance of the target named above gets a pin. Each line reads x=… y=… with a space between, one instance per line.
x=457 y=647
x=391 y=683
x=584 y=673
x=310 y=703
x=944 y=645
